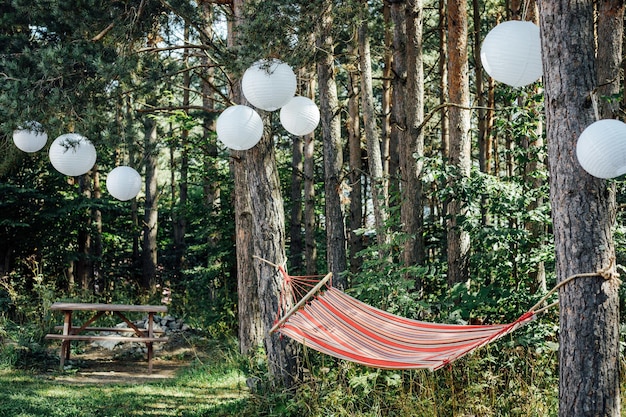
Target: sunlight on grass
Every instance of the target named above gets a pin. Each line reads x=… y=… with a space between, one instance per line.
x=197 y=392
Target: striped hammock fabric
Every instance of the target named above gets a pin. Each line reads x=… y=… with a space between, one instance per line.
x=334 y=323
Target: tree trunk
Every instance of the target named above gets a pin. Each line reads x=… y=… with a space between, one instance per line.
x=356 y=170
x=372 y=138
x=269 y=243
x=397 y=14
x=460 y=143
x=250 y=324
x=96 y=249
x=412 y=148
x=295 y=230
x=443 y=82
x=385 y=100
x=83 y=268
x=583 y=209
x=151 y=206
x=310 y=219
x=179 y=216
x=333 y=153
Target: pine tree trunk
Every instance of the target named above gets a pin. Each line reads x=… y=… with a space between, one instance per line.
x=179 y=217
x=356 y=169
x=443 y=81
x=296 y=245
x=459 y=124
x=83 y=268
x=269 y=243
x=379 y=182
x=397 y=15
x=249 y=310
x=310 y=219
x=333 y=152
x=151 y=206
x=412 y=148
x=96 y=250
x=385 y=100
x=583 y=209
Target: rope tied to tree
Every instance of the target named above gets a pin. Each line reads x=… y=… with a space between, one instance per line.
x=609 y=272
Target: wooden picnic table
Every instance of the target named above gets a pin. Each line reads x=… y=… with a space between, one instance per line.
x=73 y=332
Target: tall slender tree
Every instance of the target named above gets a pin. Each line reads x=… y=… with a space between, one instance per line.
x=460 y=143
x=250 y=325
x=583 y=211
x=333 y=147
x=412 y=147
x=379 y=183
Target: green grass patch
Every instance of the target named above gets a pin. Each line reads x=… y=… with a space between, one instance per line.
x=199 y=391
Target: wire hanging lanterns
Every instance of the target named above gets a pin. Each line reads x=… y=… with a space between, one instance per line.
x=511 y=53
x=124 y=183
x=601 y=148
x=30 y=138
x=72 y=154
x=269 y=84
x=300 y=116
x=239 y=127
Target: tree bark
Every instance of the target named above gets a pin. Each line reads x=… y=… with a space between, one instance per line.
x=412 y=148
x=310 y=219
x=151 y=206
x=83 y=268
x=179 y=217
x=443 y=82
x=379 y=182
x=356 y=170
x=583 y=210
x=269 y=243
x=397 y=15
x=249 y=310
x=460 y=143
x=295 y=230
x=333 y=153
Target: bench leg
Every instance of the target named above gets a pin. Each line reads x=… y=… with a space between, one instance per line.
x=65 y=352
x=149 y=346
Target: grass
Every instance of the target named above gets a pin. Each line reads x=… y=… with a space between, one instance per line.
x=198 y=391
x=496 y=381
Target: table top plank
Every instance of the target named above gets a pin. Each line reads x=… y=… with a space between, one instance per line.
x=108 y=307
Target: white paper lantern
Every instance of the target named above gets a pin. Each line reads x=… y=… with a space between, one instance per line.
x=30 y=137
x=300 y=116
x=511 y=53
x=601 y=148
x=239 y=127
x=124 y=183
x=269 y=84
x=72 y=154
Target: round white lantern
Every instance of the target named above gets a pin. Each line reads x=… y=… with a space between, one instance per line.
x=511 y=53
x=239 y=127
x=72 y=154
x=269 y=84
x=601 y=148
x=300 y=116
x=124 y=183
x=30 y=138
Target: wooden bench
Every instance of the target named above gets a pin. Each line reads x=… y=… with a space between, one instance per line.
x=73 y=333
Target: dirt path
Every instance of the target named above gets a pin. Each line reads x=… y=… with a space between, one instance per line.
x=97 y=365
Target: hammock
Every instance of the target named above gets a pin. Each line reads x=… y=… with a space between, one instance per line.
x=332 y=322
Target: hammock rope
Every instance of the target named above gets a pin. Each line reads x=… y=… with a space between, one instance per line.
x=330 y=321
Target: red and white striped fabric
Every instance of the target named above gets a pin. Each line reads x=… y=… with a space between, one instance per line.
x=339 y=325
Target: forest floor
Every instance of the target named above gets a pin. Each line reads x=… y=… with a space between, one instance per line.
x=191 y=377
x=98 y=365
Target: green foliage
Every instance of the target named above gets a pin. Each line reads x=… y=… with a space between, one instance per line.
x=496 y=381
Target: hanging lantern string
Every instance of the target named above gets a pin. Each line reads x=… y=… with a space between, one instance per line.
x=594 y=104
x=525 y=9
